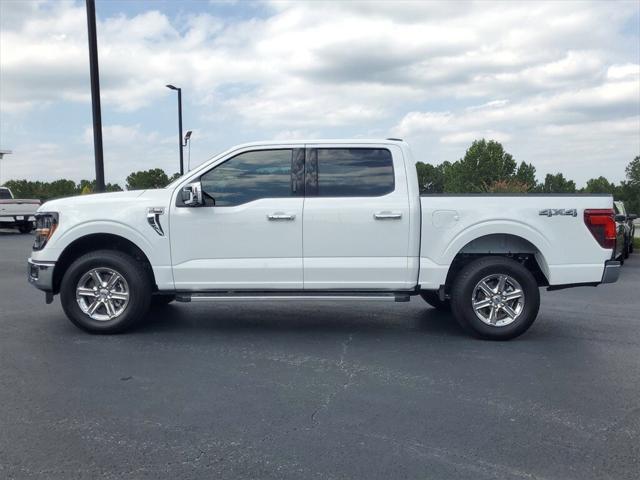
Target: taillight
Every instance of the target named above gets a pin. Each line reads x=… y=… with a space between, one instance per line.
x=602 y=225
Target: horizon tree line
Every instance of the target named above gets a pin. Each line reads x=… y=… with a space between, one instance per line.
x=485 y=168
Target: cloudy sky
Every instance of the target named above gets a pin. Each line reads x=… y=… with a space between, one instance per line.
x=558 y=83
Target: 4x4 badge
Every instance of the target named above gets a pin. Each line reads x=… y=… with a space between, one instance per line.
x=552 y=212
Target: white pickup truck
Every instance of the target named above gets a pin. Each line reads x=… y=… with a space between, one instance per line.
x=337 y=220
x=17 y=212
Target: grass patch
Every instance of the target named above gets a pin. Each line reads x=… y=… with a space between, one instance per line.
x=636 y=244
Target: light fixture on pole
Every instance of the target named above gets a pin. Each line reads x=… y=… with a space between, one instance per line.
x=2 y=154
x=187 y=140
x=172 y=87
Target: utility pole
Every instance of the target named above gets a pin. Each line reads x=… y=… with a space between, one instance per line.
x=179 y=90
x=95 y=94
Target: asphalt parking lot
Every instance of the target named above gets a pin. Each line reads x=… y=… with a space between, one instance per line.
x=315 y=390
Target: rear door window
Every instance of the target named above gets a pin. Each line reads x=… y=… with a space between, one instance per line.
x=350 y=172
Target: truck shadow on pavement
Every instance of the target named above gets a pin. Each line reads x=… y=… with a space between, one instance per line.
x=297 y=318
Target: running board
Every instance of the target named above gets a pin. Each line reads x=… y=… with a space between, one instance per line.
x=261 y=296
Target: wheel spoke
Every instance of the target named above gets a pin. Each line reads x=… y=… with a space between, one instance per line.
x=111 y=311
x=484 y=286
x=501 y=283
x=120 y=296
x=492 y=315
x=113 y=280
x=94 y=306
x=513 y=295
x=480 y=304
x=85 y=292
x=509 y=311
x=96 y=278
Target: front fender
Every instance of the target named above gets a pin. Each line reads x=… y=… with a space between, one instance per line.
x=112 y=227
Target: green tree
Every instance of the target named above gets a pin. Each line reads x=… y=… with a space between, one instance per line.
x=599 y=185
x=484 y=163
x=633 y=171
x=89 y=186
x=629 y=190
x=430 y=178
x=154 y=178
x=556 y=183
x=526 y=175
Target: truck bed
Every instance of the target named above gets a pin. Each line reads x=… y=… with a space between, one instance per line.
x=551 y=227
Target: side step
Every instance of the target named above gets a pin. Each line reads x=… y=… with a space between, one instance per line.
x=285 y=295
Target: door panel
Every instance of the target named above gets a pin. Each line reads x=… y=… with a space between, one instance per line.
x=242 y=242
x=355 y=242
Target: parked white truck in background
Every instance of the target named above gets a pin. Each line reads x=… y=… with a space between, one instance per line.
x=17 y=212
x=337 y=220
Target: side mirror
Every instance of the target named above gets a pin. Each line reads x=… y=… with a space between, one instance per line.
x=192 y=195
x=621 y=218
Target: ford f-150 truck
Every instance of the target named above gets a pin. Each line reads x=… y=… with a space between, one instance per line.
x=337 y=220
x=17 y=212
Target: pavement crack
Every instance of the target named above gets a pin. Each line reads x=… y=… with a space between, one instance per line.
x=350 y=374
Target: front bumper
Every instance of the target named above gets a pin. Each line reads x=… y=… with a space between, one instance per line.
x=611 y=271
x=40 y=274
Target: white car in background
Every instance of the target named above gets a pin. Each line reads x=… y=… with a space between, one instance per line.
x=17 y=212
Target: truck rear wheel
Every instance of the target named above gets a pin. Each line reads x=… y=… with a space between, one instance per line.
x=495 y=298
x=105 y=292
x=433 y=299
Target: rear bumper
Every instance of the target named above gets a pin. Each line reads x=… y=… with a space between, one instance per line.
x=40 y=274
x=611 y=271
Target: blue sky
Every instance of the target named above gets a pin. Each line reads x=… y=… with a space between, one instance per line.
x=558 y=83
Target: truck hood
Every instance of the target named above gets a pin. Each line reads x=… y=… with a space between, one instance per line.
x=103 y=200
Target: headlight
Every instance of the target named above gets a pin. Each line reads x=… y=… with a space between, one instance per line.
x=46 y=224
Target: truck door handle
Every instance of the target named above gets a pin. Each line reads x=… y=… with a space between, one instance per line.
x=387 y=215
x=281 y=216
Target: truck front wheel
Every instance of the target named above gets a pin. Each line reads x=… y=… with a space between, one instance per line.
x=105 y=292
x=495 y=298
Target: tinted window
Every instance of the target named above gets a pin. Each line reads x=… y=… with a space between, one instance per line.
x=250 y=176
x=354 y=172
x=4 y=194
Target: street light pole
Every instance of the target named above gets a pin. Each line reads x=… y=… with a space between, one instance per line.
x=95 y=94
x=179 y=126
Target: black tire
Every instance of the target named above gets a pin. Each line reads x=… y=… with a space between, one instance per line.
x=25 y=227
x=627 y=250
x=463 y=291
x=631 y=246
x=433 y=299
x=161 y=300
x=137 y=279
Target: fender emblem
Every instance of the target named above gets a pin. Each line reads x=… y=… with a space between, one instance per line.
x=153 y=217
x=552 y=212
